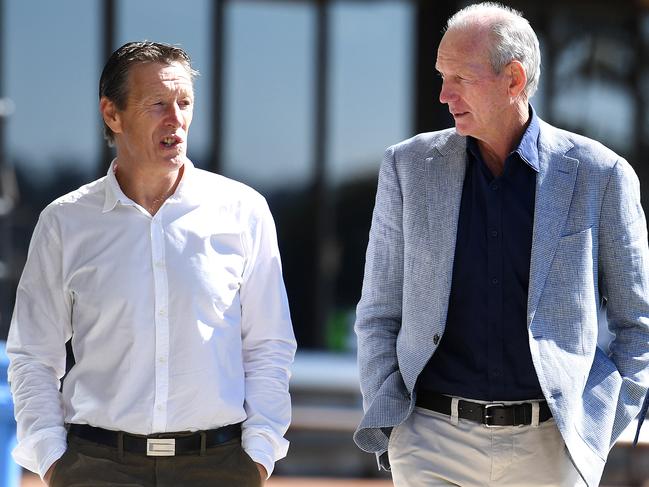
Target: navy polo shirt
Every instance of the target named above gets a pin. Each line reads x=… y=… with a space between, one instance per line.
x=484 y=353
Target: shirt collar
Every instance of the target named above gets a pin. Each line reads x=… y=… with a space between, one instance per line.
x=527 y=150
x=114 y=193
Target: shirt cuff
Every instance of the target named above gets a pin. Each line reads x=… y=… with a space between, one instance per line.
x=261 y=452
x=49 y=460
x=39 y=453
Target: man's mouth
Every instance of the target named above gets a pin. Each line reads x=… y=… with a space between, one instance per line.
x=170 y=141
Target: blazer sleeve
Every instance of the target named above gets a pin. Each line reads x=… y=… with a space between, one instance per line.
x=624 y=277
x=378 y=315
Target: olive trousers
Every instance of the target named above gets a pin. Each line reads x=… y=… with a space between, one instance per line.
x=88 y=464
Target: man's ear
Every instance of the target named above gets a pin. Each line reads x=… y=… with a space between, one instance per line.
x=110 y=114
x=517 y=78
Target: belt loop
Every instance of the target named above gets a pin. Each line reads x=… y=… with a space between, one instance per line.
x=203 y=442
x=120 y=445
x=454 y=411
x=535 y=414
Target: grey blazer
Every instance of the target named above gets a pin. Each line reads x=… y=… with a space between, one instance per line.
x=589 y=249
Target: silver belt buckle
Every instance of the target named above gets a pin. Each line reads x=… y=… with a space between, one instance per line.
x=160 y=447
x=487 y=415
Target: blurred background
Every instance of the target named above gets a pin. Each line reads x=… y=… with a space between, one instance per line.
x=299 y=99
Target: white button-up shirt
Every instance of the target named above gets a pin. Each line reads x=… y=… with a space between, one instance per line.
x=178 y=321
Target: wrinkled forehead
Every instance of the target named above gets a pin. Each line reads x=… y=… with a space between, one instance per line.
x=465 y=47
x=150 y=75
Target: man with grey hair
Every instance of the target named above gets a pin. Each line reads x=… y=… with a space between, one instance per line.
x=493 y=247
x=167 y=281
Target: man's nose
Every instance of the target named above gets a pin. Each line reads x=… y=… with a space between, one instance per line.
x=447 y=93
x=174 y=115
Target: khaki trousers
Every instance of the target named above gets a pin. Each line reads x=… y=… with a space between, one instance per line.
x=428 y=450
x=87 y=464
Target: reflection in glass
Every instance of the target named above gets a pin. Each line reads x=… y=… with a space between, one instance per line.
x=51 y=78
x=371 y=77
x=268 y=90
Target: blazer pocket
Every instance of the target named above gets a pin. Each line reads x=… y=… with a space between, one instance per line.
x=574 y=253
x=576 y=235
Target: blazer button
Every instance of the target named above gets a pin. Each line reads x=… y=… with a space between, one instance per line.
x=436 y=339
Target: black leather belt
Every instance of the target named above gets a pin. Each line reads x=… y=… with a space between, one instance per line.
x=162 y=444
x=491 y=414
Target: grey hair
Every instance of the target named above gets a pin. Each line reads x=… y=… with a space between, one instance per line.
x=513 y=39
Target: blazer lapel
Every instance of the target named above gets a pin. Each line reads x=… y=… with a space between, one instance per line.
x=555 y=184
x=444 y=181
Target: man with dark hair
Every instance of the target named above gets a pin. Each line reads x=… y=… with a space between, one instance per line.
x=167 y=281
x=113 y=84
x=493 y=247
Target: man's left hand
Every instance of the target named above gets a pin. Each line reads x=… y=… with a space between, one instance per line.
x=262 y=473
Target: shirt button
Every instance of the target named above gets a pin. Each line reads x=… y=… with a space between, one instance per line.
x=159 y=407
x=495 y=187
x=162 y=360
x=494 y=281
x=436 y=339
x=494 y=233
x=161 y=312
x=159 y=263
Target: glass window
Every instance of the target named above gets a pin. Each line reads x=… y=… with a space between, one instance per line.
x=588 y=106
x=268 y=93
x=594 y=90
x=51 y=76
x=371 y=81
